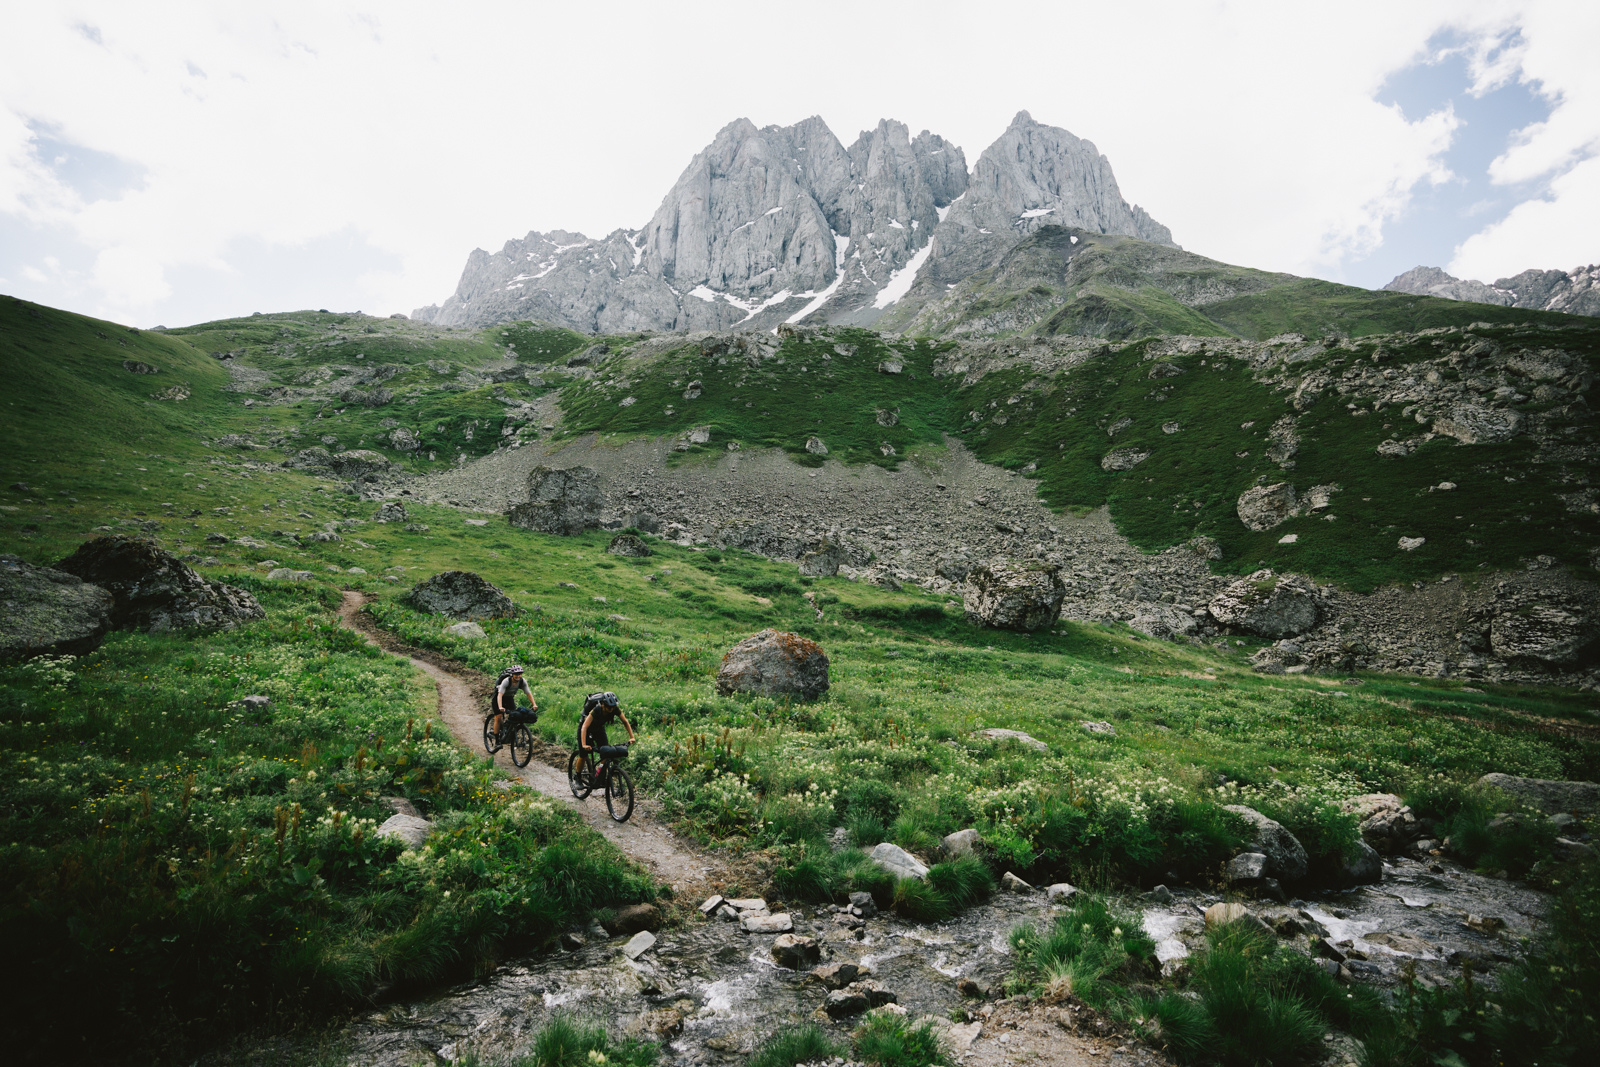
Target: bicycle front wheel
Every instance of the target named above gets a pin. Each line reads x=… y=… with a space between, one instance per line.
x=619 y=793
x=521 y=744
x=579 y=778
x=490 y=745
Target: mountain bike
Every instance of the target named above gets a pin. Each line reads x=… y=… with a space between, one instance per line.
x=515 y=732
x=584 y=776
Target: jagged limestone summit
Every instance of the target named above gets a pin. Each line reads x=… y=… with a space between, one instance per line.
x=1576 y=292
x=786 y=224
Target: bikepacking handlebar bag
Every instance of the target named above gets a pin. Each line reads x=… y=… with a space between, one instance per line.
x=527 y=715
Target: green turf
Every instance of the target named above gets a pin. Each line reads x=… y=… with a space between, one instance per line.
x=889 y=754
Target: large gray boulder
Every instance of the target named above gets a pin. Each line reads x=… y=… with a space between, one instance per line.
x=49 y=612
x=392 y=511
x=460 y=595
x=359 y=464
x=775 y=663
x=1557 y=626
x=561 y=500
x=1262 y=507
x=1268 y=605
x=1286 y=856
x=822 y=561
x=1578 y=798
x=1024 y=598
x=627 y=544
x=156 y=591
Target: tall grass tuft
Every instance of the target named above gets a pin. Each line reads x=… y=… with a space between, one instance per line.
x=807 y=1043
x=569 y=1042
x=889 y=1040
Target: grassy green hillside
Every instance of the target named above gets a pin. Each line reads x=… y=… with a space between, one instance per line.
x=203 y=869
x=1077 y=282
x=1058 y=425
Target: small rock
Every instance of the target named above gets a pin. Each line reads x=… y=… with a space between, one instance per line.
x=837 y=975
x=711 y=904
x=1410 y=544
x=470 y=630
x=767 y=924
x=898 y=861
x=863 y=904
x=1247 y=867
x=998 y=734
x=969 y=988
x=1486 y=924
x=961 y=843
x=748 y=904
x=1061 y=892
x=960 y=1036
x=287 y=574
x=1222 y=914
x=662 y=1022
x=1012 y=884
x=841 y=1003
x=795 y=951
x=1105 y=729
x=636 y=917
x=572 y=941
x=639 y=944
x=1159 y=895
x=407 y=829
x=398 y=805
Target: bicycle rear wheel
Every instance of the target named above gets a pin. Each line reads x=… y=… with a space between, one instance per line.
x=580 y=779
x=619 y=793
x=490 y=745
x=521 y=744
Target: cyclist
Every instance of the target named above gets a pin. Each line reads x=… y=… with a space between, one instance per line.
x=505 y=697
x=599 y=710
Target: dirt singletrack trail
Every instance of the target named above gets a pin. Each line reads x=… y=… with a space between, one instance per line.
x=688 y=870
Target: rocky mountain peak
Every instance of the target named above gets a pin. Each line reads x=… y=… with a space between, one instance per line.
x=783 y=223
x=1576 y=293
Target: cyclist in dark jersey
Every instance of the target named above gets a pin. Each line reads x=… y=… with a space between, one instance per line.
x=600 y=710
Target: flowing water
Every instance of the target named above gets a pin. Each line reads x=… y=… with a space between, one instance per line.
x=711 y=992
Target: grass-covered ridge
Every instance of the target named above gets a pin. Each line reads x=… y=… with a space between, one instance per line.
x=206 y=866
x=1202 y=411
x=1061 y=280
x=890 y=755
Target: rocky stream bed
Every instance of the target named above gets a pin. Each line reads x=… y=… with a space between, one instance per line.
x=711 y=992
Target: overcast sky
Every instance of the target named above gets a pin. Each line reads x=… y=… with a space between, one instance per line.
x=172 y=163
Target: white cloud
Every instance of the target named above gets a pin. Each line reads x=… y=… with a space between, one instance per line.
x=1558 y=226
x=1247 y=126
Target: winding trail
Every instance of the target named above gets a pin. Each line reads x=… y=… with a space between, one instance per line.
x=671 y=859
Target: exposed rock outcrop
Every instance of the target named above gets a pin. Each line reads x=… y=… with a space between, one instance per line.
x=1268 y=605
x=49 y=612
x=628 y=545
x=1012 y=597
x=1576 y=293
x=155 y=591
x=1286 y=857
x=460 y=595
x=1578 y=798
x=561 y=500
x=775 y=663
